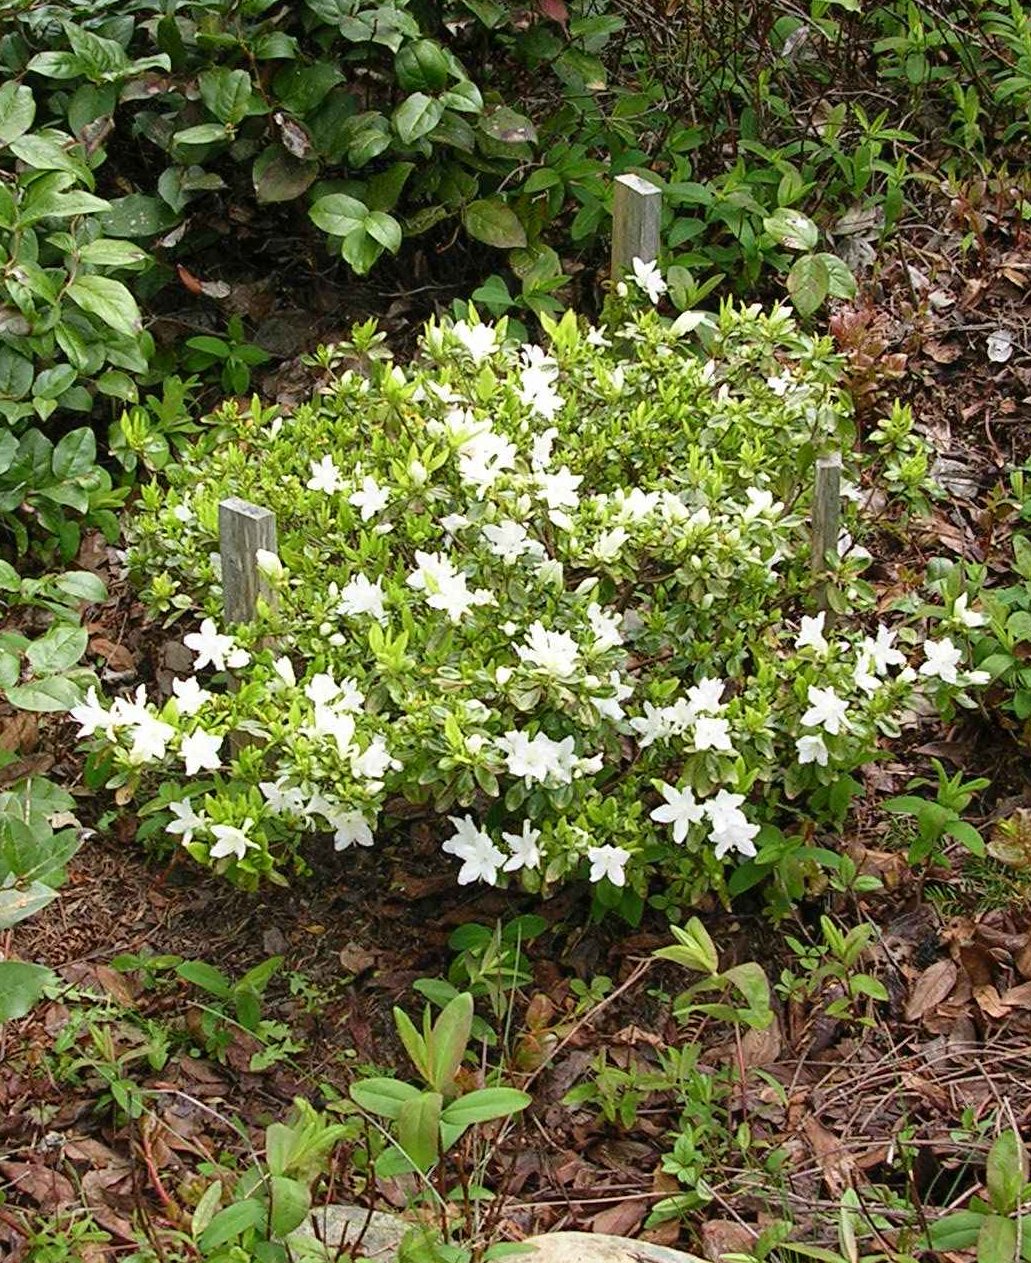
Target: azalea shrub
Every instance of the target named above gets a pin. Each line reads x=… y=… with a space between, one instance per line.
x=560 y=596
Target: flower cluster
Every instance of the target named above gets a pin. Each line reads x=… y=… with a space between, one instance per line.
x=553 y=591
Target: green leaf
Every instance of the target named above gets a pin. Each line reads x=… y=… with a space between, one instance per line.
x=997 y=1240
x=113 y=254
x=205 y=976
x=808 y=283
x=750 y=979
x=492 y=221
x=1007 y=1171
x=138 y=215
x=842 y=282
x=75 y=454
x=19 y=902
x=955 y=1232
x=338 y=214
x=226 y=93
x=417 y=116
x=421 y=66
x=289 y=1204
x=60 y=649
x=109 y=301
x=206 y=1208
x=385 y=229
x=418 y=1128
x=484 y=1105
x=792 y=229
x=507 y=126
x=280 y=177
x=17 y=110
x=231 y=1223
x=382 y=1097
x=202 y=134
x=21 y=985
x=56 y=64
x=50 y=695
x=694 y=948
x=415 y=1045
x=448 y=1041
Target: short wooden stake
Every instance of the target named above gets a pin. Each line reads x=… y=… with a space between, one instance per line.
x=243 y=529
x=826 y=521
x=636 y=212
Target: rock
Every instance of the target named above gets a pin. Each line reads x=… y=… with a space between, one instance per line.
x=340 y=1223
x=597 y=1247
x=385 y=1232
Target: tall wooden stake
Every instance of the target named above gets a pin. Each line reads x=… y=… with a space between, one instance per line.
x=826 y=521
x=243 y=528
x=636 y=211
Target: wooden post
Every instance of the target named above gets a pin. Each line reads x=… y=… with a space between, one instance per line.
x=826 y=521
x=636 y=210
x=243 y=528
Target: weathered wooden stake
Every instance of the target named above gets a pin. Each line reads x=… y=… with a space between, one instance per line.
x=826 y=521
x=243 y=528
x=636 y=211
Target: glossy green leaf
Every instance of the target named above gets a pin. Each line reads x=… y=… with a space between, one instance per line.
x=21 y=986
x=492 y=221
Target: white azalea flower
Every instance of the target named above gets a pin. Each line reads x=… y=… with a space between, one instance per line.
x=712 y=734
x=484 y=457
x=350 y=828
x=480 y=858
x=681 y=809
x=609 y=544
x=92 y=716
x=731 y=829
x=231 y=840
x=812 y=750
x=559 y=490
x=538 y=758
x=370 y=498
x=942 y=659
x=826 y=710
x=509 y=541
x=811 y=634
x=610 y=862
x=325 y=477
x=656 y=724
x=649 y=279
x=526 y=852
x=200 y=750
x=540 y=448
x=374 y=761
x=186 y=821
x=882 y=651
x=150 y=739
x=480 y=340
x=359 y=597
x=610 y=707
x=704 y=697
x=216 y=649
x=605 y=626
x=968 y=617
x=555 y=653
x=189 y=695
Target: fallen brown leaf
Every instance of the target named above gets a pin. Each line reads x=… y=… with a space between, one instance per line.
x=48 y=1189
x=835 y=1161
x=931 y=988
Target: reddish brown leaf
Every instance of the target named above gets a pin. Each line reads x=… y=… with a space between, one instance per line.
x=48 y=1189
x=555 y=11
